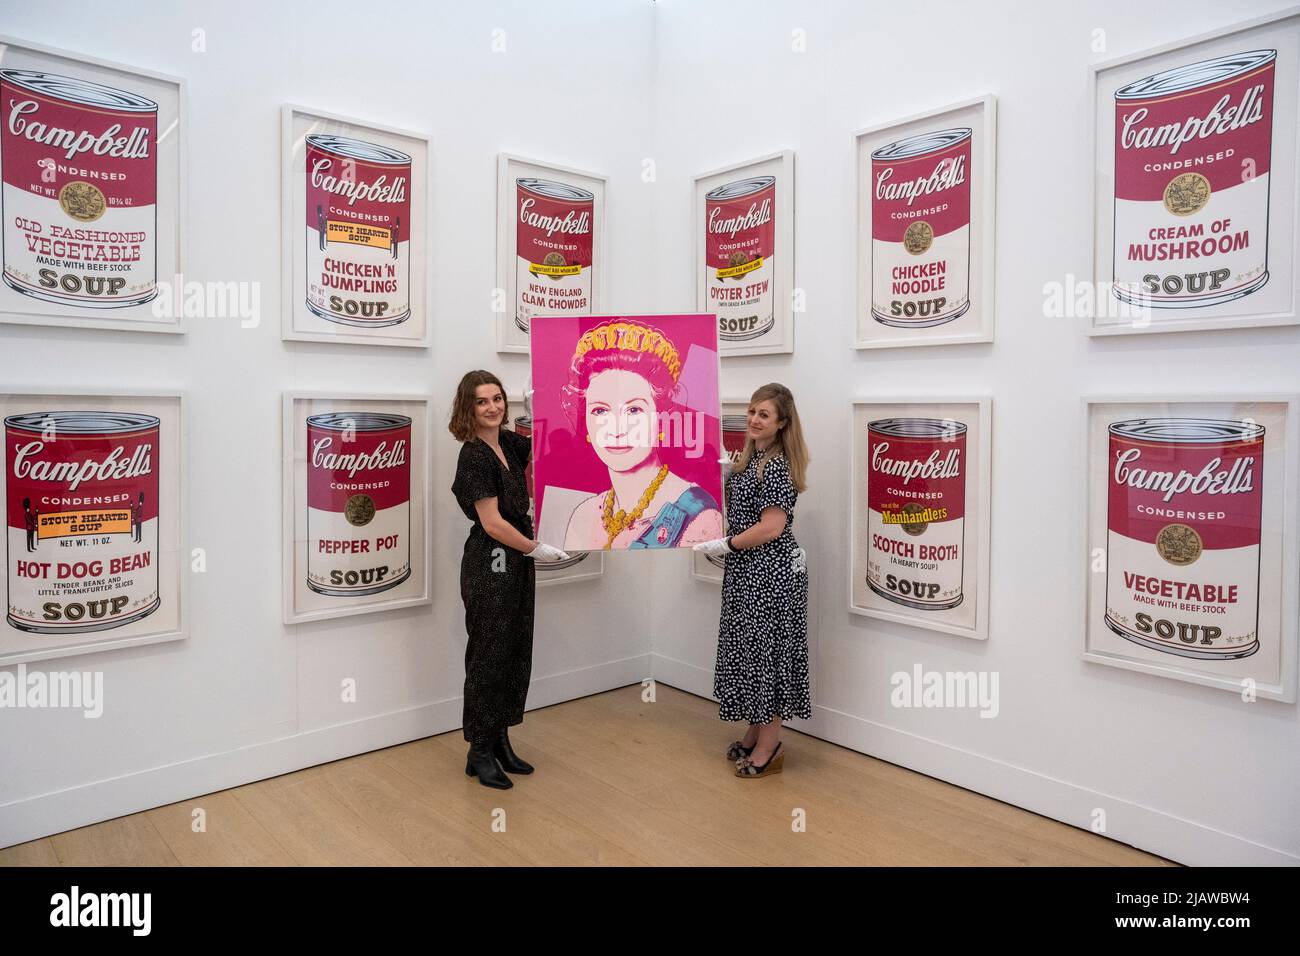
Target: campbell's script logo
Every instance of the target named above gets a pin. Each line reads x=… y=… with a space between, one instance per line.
x=1221 y=118
x=573 y=222
x=380 y=457
x=948 y=173
x=931 y=468
x=115 y=466
x=377 y=190
x=111 y=142
x=1236 y=479
x=756 y=216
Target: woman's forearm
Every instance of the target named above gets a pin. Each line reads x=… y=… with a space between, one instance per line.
x=504 y=532
x=756 y=535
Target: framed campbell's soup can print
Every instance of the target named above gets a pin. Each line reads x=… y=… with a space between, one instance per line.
x=355 y=514
x=925 y=205
x=95 y=501
x=1192 y=539
x=355 y=210
x=919 y=518
x=744 y=253
x=1194 y=182
x=735 y=430
x=550 y=246
x=91 y=161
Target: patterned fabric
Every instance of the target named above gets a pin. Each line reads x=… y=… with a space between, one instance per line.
x=672 y=519
x=497 y=586
x=762 y=666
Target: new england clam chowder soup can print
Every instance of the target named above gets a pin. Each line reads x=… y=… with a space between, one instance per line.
x=553 y=243
x=1182 y=545
x=82 y=494
x=358 y=502
x=80 y=194
x=739 y=246
x=1192 y=156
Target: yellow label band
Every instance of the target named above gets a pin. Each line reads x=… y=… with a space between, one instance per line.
x=555 y=272
x=359 y=235
x=746 y=267
x=66 y=524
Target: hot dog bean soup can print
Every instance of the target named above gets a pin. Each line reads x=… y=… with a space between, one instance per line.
x=554 y=233
x=739 y=249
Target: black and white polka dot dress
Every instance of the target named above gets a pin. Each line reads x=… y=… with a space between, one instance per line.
x=762 y=666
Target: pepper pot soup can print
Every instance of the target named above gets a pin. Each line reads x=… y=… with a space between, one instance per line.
x=1193 y=148
x=553 y=243
x=916 y=503
x=358 y=232
x=82 y=500
x=80 y=194
x=1183 y=535
x=358 y=502
x=920 y=229
x=739 y=246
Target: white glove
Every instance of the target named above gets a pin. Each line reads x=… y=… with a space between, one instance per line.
x=711 y=549
x=545 y=553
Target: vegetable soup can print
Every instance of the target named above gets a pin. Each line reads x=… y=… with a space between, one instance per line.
x=739 y=246
x=358 y=231
x=524 y=426
x=82 y=497
x=1192 y=159
x=916 y=501
x=553 y=243
x=1182 y=545
x=920 y=229
x=358 y=502
x=80 y=195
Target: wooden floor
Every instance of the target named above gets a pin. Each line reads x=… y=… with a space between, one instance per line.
x=620 y=782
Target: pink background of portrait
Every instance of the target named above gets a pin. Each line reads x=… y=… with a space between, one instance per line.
x=564 y=459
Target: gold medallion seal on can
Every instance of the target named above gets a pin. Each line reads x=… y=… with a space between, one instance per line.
x=918 y=238
x=1187 y=194
x=359 y=510
x=1179 y=544
x=82 y=201
x=914 y=528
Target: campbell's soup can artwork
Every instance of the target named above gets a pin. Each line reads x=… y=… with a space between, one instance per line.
x=739 y=251
x=358 y=502
x=1193 y=150
x=735 y=429
x=82 y=490
x=80 y=191
x=1183 y=535
x=920 y=229
x=553 y=243
x=358 y=231
x=916 y=501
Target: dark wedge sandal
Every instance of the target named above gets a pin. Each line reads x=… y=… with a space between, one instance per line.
x=738 y=750
x=747 y=768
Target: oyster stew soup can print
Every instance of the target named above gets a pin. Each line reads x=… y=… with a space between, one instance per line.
x=553 y=241
x=739 y=248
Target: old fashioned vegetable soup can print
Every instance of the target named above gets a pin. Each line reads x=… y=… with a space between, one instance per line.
x=80 y=195
x=554 y=231
x=739 y=251
x=1182 y=545
x=82 y=500
x=1193 y=150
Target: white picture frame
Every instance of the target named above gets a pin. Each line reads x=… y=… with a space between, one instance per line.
x=142 y=297
x=761 y=322
x=967 y=421
x=310 y=312
x=710 y=569
x=1270 y=670
x=939 y=307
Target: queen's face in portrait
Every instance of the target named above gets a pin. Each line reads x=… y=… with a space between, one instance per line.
x=621 y=418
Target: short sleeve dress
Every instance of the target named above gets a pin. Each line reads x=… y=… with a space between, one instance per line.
x=497 y=586
x=762 y=666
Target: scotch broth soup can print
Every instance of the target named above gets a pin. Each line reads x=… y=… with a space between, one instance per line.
x=739 y=246
x=553 y=241
x=80 y=194
x=82 y=501
x=358 y=502
x=1183 y=535
x=1193 y=148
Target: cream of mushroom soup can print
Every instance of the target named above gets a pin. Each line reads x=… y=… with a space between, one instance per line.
x=739 y=251
x=554 y=230
x=80 y=194
x=916 y=503
x=82 y=490
x=1183 y=535
x=358 y=502
x=920 y=229
x=1192 y=167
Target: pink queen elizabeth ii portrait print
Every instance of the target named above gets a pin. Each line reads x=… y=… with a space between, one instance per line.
x=626 y=431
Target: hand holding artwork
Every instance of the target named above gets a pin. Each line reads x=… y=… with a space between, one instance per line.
x=714 y=548
x=546 y=553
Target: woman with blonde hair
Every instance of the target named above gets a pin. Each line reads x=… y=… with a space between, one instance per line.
x=761 y=675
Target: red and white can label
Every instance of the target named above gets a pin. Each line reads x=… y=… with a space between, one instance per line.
x=916 y=511
x=739 y=257
x=82 y=500
x=920 y=229
x=1193 y=147
x=358 y=502
x=554 y=232
x=80 y=193
x=1183 y=533
x=358 y=231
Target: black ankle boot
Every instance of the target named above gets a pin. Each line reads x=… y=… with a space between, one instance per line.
x=506 y=755
x=480 y=763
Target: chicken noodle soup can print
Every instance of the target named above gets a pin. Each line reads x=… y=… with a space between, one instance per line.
x=739 y=246
x=1192 y=166
x=358 y=231
x=1183 y=535
x=82 y=497
x=916 y=501
x=553 y=243
x=920 y=229
x=80 y=191
x=358 y=502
